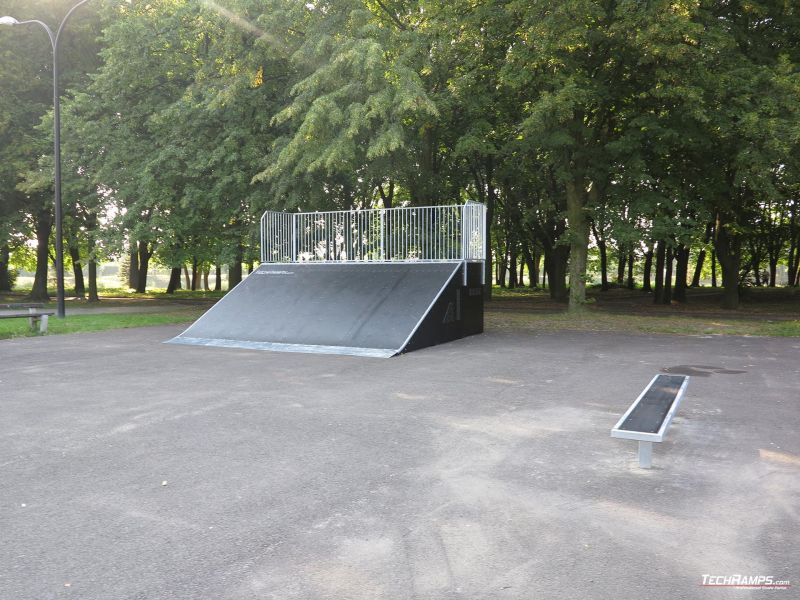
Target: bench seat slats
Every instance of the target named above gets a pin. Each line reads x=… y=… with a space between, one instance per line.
x=649 y=413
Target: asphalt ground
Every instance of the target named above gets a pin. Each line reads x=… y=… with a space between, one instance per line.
x=481 y=469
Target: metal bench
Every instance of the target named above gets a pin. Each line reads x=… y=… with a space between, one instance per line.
x=34 y=314
x=649 y=416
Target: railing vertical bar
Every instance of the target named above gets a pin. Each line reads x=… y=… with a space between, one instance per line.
x=449 y=235
x=462 y=250
x=453 y=233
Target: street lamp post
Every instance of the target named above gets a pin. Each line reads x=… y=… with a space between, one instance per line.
x=54 y=40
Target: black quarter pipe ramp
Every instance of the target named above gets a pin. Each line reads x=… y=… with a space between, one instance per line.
x=364 y=309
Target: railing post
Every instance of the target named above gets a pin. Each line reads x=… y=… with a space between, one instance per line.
x=383 y=229
x=263 y=247
x=293 y=252
x=464 y=217
x=464 y=253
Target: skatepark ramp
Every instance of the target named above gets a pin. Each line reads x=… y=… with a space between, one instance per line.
x=363 y=282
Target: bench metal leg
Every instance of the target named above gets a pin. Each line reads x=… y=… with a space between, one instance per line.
x=43 y=323
x=645 y=454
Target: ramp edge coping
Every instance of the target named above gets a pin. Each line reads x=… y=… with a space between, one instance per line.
x=280 y=347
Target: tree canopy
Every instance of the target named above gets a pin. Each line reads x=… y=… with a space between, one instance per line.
x=650 y=132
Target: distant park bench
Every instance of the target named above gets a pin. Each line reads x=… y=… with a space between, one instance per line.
x=34 y=314
x=649 y=416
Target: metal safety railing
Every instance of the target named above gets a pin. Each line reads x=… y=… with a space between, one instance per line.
x=429 y=233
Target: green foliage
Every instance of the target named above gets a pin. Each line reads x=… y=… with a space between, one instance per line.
x=183 y=120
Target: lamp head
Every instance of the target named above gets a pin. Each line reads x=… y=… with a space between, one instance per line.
x=8 y=21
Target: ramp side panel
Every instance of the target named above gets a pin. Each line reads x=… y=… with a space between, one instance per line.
x=337 y=305
x=457 y=312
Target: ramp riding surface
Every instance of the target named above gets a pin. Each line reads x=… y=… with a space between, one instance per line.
x=366 y=309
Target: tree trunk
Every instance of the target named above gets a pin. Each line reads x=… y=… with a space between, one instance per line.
x=698 y=269
x=681 y=272
x=77 y=270
x=601 y=246
x=658 y=292
x=729 y=254
x=621 y=265
x=205 y=279
x=44 y=225
x=773 y=270
x=701 y=256
x=93 y=295
x=235 y=269
x=793 y=258
x=144 y=263
x=5 y=274
x=578 y=244
x=631 y=257
x=668 y=277
x=133 y=267
x=555 y=267
x=174 y=280
x=512 y=264
x=755 y=263
x=218 y=278
x=531 y=260
x=186 y=277
x=195 y=274
x=502 y=268
x=713 y=268
x=647 y=271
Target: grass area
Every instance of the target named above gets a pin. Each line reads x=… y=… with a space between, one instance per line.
x=763 y=313
x=118 y=297
x=594 y=320
x=99 y=322
x=158 y=294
